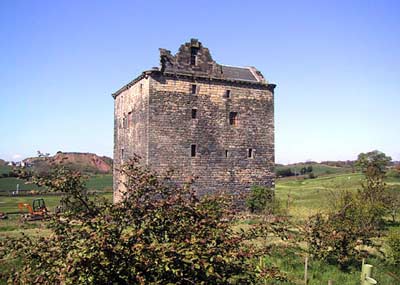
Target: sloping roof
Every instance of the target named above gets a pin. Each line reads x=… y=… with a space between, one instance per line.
x=238 y=73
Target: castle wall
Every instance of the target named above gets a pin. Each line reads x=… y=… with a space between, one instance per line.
x=180 y=117
x=173 y=131
x=130 y=129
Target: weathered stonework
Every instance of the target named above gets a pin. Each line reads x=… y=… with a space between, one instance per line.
x=154 y=118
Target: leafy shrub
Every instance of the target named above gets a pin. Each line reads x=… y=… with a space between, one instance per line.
x=285 y=172
x=263 y=199
x=393 y=201
x=305 y=170
x=311 y=175
x=158 y=234
x=395 y=173
x=393 y=245
x=374 y=196
x=11 y=173
x=259 y=198
x=376 y=160
x=354 y=220
x=338 y=236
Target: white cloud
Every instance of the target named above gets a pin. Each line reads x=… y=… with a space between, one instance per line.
x=16 y=156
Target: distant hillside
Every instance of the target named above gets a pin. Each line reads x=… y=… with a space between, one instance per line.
x=83 y=162
x=4 y=168
x=331 y=167
x=339 y=163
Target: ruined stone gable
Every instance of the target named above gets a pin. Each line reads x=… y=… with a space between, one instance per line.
x=203 y=120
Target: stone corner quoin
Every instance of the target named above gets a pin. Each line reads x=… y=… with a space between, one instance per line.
x=205 y=121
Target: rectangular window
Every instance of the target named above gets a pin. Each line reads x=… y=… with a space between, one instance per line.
x=194 y=113
x=193 y=55
x=129 y=119
x=228 y=94
x=194 y=89
x=250 y=153
x=122 y=154
x=193 y=60
x=226 y=153
x=233 y=118
x=193 y=150
x=141 y=88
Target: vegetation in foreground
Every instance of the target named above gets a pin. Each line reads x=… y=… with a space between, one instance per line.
x=159 y=234
x=299 y=199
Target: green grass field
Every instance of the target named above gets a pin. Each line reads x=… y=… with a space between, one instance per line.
x=309 y=196
x=292 y=264
x=9 y=184
x=5 y=169
x=99 y=182
x=12 y=227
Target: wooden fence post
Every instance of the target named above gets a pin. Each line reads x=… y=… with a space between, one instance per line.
x=362 y=271
x=366 y=274
x=305 y=270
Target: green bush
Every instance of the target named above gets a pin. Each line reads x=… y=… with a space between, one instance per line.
x=395 y=173
x=158 y=234
x=285 y=172
x=353 y=222
x=393 y=246
x=262 y=199
x=376 y=160
x=338 y=236
x=393 y=202
x=311 y=175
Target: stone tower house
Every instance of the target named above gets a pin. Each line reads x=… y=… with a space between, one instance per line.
x=210 y=122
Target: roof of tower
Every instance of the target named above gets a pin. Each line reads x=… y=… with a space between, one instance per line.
x=238 y=73
x=194 y=60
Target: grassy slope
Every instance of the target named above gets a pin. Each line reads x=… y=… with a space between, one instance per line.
x=318 y=169
x=308 y=196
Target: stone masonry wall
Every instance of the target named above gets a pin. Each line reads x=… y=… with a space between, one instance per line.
x=173 y=131
x=130 y=129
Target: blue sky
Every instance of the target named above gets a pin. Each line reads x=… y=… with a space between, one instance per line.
x=336 y=64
